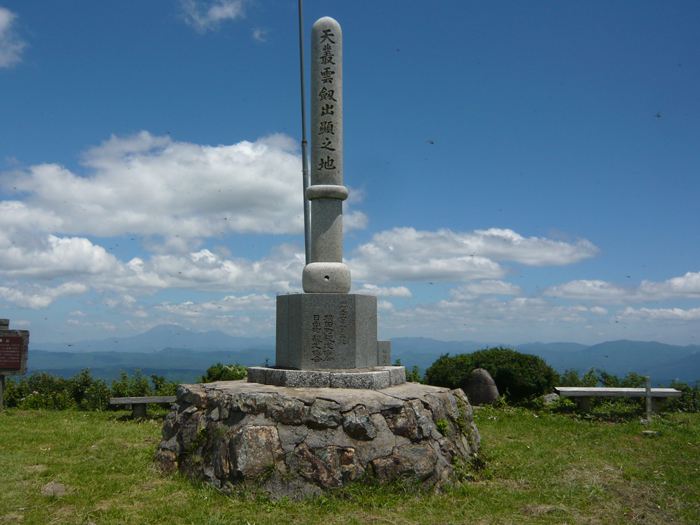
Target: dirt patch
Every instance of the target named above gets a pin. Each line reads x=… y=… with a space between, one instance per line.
x=538 y=510
x=36 y=468
x=12 y=518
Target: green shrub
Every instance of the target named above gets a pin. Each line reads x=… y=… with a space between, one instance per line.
x=164 y=387
x=219 y=372
x=412 y=376
x=39 y=390
x=87 y=392
x=131 y=386
x=690 y=402
x=519 y=376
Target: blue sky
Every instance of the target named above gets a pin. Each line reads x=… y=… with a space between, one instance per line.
x=518 y=171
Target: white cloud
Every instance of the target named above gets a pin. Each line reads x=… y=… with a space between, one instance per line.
x=154 y=186
x=586 y=290
x=52 y=256
x=488 y=287
x=385 y=306
x=205 y=16
x=385 y=291
x=11 y=45
x=685 y=287
x=597 y=310
x=36 y=296
x=486 y=316
x=259 y=34
x=252 y=302
x=406 y=254
x=659 y=314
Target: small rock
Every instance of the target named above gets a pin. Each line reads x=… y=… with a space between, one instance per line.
x=550 y=399
x=54 y=489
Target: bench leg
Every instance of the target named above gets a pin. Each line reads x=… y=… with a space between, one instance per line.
x=584 y=403
x=138 y=410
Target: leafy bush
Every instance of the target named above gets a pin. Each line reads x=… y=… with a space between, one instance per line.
x=519 y=376
x=41 y=390
x=219 y=372
x=164 y=387
x=131 y=386
x=690 y=402
x=595 y=377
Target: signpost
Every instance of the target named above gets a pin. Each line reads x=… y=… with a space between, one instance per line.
x=14 y=348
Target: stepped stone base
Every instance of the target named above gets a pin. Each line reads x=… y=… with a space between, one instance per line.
x=295 y=442
x=375 y=378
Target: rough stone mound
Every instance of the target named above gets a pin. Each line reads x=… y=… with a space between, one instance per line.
x=482 y=389
x=297 y=441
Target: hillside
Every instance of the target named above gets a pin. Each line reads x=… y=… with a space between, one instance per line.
x=181 y=354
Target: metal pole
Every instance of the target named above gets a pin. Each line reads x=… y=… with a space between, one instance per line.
x=2 y=391
x=304 y=145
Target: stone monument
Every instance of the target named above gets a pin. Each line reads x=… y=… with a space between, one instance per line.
x=332 y=411
x=327 y=337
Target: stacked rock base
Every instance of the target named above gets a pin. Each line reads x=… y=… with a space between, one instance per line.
x=295 y=442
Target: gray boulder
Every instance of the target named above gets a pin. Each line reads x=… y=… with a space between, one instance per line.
x=481 y=389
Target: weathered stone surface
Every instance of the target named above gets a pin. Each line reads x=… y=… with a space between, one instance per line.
x=416 y=461
x=358 y=424
x=253 y=449
x=323 y=414
x=482 y=388
x=295 y=441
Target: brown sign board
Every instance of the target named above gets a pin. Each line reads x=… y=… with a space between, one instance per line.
x=14 y=346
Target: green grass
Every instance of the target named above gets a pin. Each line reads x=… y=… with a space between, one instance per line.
x=544 y=466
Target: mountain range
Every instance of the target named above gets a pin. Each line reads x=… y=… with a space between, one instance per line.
x=181 y=354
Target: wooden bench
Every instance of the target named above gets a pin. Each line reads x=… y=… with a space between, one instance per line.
x=138 y=404
x=582 y=395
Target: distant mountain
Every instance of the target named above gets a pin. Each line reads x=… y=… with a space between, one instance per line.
x=661 y=361
x=180 y=353
x=159 y=337
x=173 y=363
x=533 y=348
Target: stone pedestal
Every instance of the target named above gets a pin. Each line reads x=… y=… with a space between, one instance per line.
x=375 y=378
x=326 y=331
x=295 y=442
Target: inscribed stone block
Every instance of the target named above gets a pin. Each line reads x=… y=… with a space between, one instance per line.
x=383 y=353
x=326 y=331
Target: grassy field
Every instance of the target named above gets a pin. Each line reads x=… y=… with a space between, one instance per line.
x=544 y=466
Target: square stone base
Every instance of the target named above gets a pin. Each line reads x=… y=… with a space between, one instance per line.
x=320 y=331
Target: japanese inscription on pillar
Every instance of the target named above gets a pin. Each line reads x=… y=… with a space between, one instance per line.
x=327 y=103
x=322 y=338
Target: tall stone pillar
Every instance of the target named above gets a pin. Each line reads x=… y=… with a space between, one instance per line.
x=327 y=336
x=326 y=273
